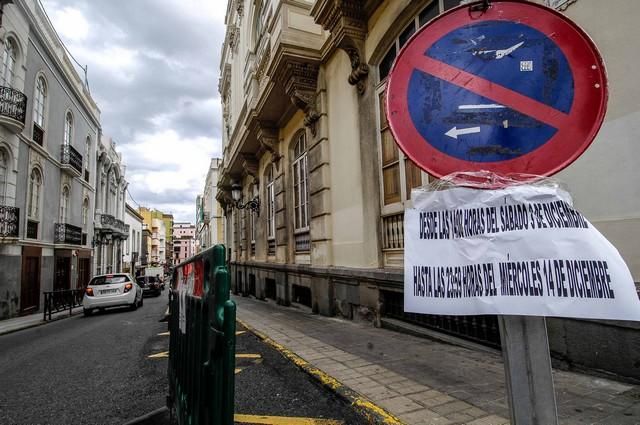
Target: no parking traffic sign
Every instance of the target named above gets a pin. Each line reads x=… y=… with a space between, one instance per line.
x=516 y=88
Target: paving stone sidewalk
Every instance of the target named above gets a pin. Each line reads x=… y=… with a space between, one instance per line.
x=24 y=322
x=421 y=381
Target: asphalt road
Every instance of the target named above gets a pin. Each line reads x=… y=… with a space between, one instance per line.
x=97 y=370
x=85 y=370
x=271 y=385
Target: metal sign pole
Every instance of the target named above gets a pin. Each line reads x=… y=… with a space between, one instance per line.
x=527 y=366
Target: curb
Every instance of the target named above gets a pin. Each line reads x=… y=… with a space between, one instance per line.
x=371 y=412
x=150 y=418
x=40 y=323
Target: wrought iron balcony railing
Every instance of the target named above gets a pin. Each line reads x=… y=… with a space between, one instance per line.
x=9 y=221
x=13 y=104
x=38 y=134
x=70 y=156
x=68 y=233
x=113 y=224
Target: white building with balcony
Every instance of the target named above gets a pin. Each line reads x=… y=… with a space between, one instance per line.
x=133 y=245
x=110 y=229
x=49 y=128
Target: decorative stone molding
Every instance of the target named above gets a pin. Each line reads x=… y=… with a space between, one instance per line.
x=250 y=167
x=233 y=37
x=268 y=137
x=240 y=9
x=346 y=21
x=300 y=82
x=263 y=56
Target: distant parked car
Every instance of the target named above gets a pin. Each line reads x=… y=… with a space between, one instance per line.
x=111 y=290
x=150 y=285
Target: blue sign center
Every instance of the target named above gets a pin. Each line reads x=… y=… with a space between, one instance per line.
x=471 y=127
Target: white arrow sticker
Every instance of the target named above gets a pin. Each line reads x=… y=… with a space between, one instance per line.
x=455 y=132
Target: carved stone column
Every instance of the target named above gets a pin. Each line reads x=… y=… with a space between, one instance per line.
x=347 y=22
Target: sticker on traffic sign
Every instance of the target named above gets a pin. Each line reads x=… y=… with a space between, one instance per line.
x=516 y=88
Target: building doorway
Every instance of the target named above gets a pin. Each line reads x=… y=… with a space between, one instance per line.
x=84 y=272
x=30 y=280
x=62 y=273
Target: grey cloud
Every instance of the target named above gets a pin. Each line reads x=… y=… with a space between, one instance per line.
x=163 y=35
x=178 y=56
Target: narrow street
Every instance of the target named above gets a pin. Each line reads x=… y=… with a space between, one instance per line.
x=86 y=369
x=111 y=367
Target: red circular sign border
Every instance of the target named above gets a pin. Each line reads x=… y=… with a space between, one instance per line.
x=536 y=162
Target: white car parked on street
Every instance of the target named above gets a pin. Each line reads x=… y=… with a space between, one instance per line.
x=111 y=290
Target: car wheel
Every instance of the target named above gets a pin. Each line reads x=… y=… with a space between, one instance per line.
x=141 y=303
x=87 y=311
x=134 y=306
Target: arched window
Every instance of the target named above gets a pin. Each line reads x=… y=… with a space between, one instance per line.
x=64 y=205
x=87 y=158
x=85 y=214
x=300 y=183
x=39 y=106
x=35 y=187
x=68 y=129
x=8 y=62
x=39 y=102
x=258 y=23
x=4 y=172
x=398 y=174
x=271 y=205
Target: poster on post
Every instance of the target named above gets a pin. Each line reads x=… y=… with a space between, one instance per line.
x=521 y=250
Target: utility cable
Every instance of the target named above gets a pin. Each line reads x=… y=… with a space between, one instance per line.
x=83 y=68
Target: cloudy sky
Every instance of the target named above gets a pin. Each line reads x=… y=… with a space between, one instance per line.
x=153 y=69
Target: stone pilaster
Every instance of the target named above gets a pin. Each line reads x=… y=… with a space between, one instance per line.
x=320 y=184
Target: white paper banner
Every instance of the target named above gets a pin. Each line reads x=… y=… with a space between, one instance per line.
x=523 y=250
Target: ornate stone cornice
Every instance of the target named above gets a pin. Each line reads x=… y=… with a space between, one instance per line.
x=346 y=21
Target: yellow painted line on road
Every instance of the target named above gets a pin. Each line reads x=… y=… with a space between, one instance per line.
x=248 y=356
x=283 y=420
x=159 y=355
x=164 y=334
x=238 y=370
x=240 y=332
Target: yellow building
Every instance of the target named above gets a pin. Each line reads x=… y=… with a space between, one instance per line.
x=149 y=216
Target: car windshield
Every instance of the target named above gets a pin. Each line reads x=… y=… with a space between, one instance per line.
x=108 y=280
x=152 y=279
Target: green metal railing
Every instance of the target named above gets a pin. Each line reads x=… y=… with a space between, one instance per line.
x=202 y=343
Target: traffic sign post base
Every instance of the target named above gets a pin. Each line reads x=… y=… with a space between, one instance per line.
x=527 y=365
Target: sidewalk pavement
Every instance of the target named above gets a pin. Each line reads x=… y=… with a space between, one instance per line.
x=421 y=381
x=24 y=322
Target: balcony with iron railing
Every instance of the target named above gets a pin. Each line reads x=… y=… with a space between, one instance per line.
x=113 y=225
x=67 y=234
x=71 y=160
x=13 y=107
x=9 y=221
x=38 y=134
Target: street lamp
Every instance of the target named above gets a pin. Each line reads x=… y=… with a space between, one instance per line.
x=236 y=194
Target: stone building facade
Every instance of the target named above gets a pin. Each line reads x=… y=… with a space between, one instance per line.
x=210 y=216
x=305 y=134
x=49 y=131
x=133 y=245
x=111 y=232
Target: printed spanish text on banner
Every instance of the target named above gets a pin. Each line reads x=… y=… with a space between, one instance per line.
x=522 y=250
